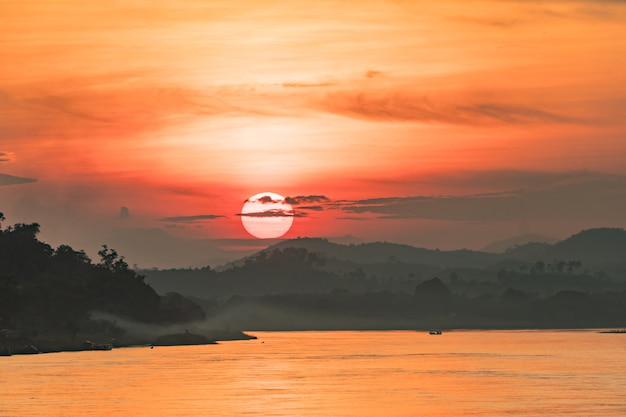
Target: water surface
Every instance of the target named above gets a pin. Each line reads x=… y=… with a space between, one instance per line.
x=393 y=373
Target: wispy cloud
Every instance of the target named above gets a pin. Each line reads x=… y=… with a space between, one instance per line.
x=190 y=219
x=266 y=199
x=276 y=212
x=6 y=179
x=305 y=199
x=578 y=197
x=396 y=106
x=312 y=208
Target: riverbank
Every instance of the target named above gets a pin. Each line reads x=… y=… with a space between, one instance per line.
x=34 y=345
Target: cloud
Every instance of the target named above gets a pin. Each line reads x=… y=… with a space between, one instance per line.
x=190 y=219
x=266 y=199
x=273 y=213
x=396 y=106
x=128 y=106
x=6 y=179
x=303 y=199
x=574 y=197
x=4 y=157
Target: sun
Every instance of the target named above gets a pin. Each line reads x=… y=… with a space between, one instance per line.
x=267 y=215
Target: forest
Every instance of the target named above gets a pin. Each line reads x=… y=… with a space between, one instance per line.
x=59 y=298
x=579 y=282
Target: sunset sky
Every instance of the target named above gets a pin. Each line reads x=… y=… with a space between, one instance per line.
x=443 y=124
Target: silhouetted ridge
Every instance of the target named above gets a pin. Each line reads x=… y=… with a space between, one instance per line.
x=375 y=252
x=594 y=245
x=316 y=284
x=502 y=246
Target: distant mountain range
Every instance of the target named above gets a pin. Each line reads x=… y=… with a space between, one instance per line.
x=313 y=283
x=150 y=248
x=315 y=264
x=602 y=246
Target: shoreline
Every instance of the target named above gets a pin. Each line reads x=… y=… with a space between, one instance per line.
x=33 y=346
x=27 y=346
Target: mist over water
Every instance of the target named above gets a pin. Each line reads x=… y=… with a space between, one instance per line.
x=373 y=373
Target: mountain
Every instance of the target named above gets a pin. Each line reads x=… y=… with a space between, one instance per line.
x=376 y=252
x=501 y=246
x=311 y=283
x=593 y=247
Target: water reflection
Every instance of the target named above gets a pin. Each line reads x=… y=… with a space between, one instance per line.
x=330 y=374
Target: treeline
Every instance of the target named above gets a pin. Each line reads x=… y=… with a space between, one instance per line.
x=284 y=288
x=432 y=305
x=297 y=270
x=55 y=292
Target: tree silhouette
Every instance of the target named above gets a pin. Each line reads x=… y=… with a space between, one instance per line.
x=110 y=260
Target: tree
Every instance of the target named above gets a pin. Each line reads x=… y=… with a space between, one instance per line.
x=111 y=261
x=539 y=267
x=65 y=254
x=433 y=289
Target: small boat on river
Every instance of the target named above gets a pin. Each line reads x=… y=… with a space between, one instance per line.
x=435 y=332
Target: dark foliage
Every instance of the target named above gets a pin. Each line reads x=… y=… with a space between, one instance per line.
x=315 y=284
x=45 y=290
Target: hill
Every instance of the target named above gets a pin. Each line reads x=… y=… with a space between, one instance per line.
x=375 y=252
x=601 y=247
x=317 y=284
x=502 y=246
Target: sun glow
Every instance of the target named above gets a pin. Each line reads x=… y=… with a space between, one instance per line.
x=267 y=215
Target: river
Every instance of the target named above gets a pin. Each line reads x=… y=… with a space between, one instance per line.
x=340 y=373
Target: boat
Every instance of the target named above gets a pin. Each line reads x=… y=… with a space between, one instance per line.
x=435 y=332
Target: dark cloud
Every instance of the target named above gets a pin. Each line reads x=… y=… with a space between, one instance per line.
x=313 y=208
x=266 y=199
x=190 y=219
x=273 y=213
x=304 y=199
x=398 y=106
x=6 y=179
x=4 y=157
x=594 y=197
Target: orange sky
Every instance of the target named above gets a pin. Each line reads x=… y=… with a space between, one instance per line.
x=180 y=110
